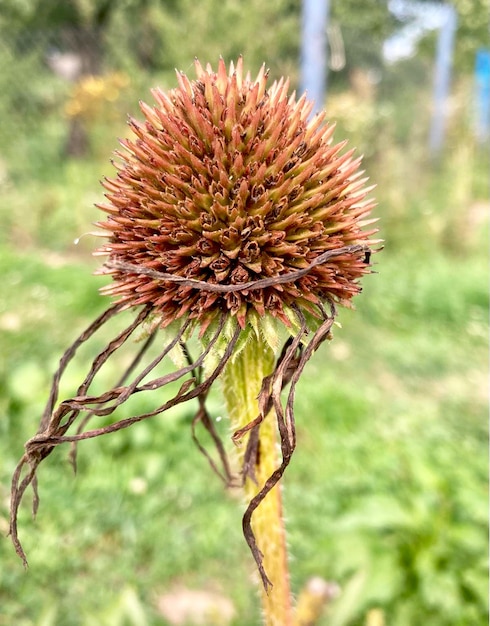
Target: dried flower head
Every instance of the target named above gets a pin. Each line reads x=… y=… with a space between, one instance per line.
x=228 y=184
x=231 y=212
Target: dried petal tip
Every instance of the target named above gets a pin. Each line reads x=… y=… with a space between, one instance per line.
x=228 y=199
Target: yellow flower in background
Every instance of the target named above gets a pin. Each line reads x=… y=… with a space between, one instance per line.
x=92 y=94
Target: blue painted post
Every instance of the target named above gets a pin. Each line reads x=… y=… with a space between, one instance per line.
x=314 y=51
x=482 y=113
x=442 y=78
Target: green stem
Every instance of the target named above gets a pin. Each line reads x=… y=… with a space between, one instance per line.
x=242 y=381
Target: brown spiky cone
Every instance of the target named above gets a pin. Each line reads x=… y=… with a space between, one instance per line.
x=228 y=182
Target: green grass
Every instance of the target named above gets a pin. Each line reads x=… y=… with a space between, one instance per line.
x=387 y=491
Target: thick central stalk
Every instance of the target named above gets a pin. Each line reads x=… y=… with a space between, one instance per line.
x=242 y=383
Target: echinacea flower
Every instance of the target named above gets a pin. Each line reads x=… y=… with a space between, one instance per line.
x=233 y=214
x=229 y=184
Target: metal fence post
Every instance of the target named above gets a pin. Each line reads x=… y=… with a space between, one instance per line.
x=314 y=51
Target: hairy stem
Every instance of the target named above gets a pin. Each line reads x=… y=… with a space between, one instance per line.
x=242 y=382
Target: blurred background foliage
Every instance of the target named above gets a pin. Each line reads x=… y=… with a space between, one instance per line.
x=387 y=493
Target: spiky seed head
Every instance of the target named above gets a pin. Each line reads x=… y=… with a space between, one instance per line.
x=228 y=182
